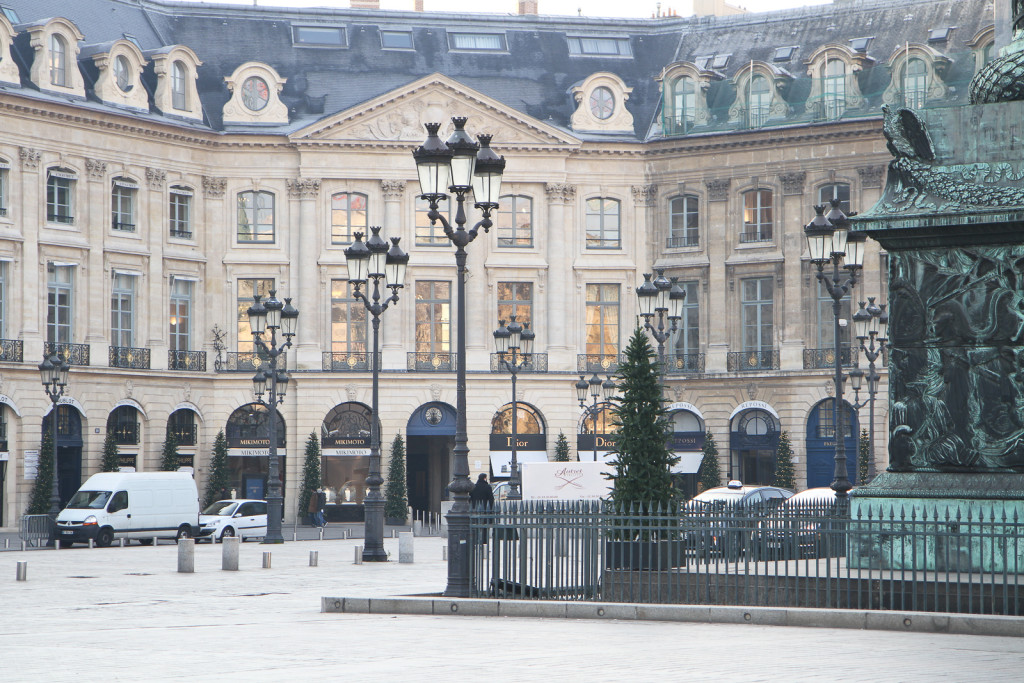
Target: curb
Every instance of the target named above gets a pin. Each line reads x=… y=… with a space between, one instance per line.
x=919 y=622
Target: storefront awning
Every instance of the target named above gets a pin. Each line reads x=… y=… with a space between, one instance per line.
x=501 y=461
x=689 y=462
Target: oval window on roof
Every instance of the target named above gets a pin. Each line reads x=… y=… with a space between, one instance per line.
x=122 y=73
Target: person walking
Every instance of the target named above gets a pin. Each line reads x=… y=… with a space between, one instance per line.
x=321 y=503
x=312 y=508
x=481 y=498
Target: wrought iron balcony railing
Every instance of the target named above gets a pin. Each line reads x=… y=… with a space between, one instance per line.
x=591 y=362
x=431 y=361
x=123 y=227
x=59 y=218
x=181 y=233
x=752 y=361
x=756 y=236
x=343 y=361
x=185 y=435
x=187 y=360
x=12 y=350
x=679 y=241
x=248 y=361
x=535 y=362
x=825 y=359
x=73 y=354
x=125 y=434
x=684 y=363
x=128 y=357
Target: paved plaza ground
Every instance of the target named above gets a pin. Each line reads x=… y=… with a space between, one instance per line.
x=126 y=614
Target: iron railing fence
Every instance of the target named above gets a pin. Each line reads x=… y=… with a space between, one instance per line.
x=73 y=354
x=128 y=357
x=12 y=350
x=535 y=362
x=892 y=557
x=825 y=359
x=186 y=360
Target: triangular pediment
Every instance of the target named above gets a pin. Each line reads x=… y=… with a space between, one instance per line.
x=399 y=116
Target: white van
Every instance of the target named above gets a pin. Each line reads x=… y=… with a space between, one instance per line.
x=139 y=505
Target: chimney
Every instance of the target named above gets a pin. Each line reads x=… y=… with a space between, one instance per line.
x=364 y=4
x=418 y=6
x=528 y=6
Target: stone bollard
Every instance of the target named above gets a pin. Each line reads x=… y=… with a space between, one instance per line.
x=444 y=553
x=359 y=554
x=92 y=544
x=321 y=533
x=266 y=560
x=405 y=548
x=314 y=558
x=186 y=555
x=229 y=554
x=417 y=527
x=122 y=542
x=21 y=573
x=7 y=544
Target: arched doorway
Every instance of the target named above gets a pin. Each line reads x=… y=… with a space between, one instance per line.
x=69 y=449
x=593 y=443
x=123 y=423
x=249 y=450
x=531 y=439
x=182 y=424
x=430 y=438
x=345 y=461
x=687 y=442
x=821 y=443
x=753 y=442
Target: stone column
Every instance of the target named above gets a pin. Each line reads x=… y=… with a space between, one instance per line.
x=212 y=288
x=304 y=268
x=719 y=289
x=29 y=190
x=155 y=308
x=561 y=285
x=793 y=288
x=93 y=216
x=398 y=314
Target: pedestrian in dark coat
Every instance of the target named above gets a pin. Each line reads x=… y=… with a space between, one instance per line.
x=482 y=496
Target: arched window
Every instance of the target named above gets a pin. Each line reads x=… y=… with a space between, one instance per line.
x=515 y=221
x=834 y=90
x=345 y=438
x=987 y=53
x=256 y=216
x=753 y=441
x=684 y=221
x=123 y=423
x=603 y=223
x=684 y=104
x=348 y=216
x=840 y=191
x=528 y=420
x=350 y=420
x=759 y=100
x=182 y=425
x=248 y=444
x=179 y=94
x=757 y=216
x=915 y=83
x=58 y=60
x=122 y=73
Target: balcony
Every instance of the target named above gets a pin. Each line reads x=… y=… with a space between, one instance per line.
x=123 y=227
x=72 y=354
x=181 y=234
x=187 y=360
x=185 y=435
x=427 y=361
x=680 y=241
x=752 y=361
x=754 y=236
x=591 y=362
x=128 y=357
x=684 y=363
x=12 y=350
x=3 y=210
x=59 y=218
x=249 y=361
x=535 y=362
x=825 y=359
x=342 y=361
x=125 y=434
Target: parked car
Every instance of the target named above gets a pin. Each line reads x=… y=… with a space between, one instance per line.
x=244 y=518
x=802 y=527
x=130 y=505
x=500 y=491
x=721 y=521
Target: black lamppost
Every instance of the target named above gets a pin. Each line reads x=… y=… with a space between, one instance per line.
x=459 y=166
x=829 y=239
x=597 y=388
x=662 y=298
x=871 y=325
x=266 y=318
x=386 y=268
x=54 y=373
x=514 y=344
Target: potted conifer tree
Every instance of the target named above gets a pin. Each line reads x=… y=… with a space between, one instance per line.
x=396 y=503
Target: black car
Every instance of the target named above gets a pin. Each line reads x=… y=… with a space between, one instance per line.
x=721 y=522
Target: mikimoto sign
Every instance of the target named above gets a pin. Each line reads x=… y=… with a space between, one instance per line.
x=565 y=480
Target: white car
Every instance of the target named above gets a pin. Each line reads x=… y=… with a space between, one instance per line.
x=226 y=518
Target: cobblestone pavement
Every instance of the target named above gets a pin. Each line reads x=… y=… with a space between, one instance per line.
x=126 y=614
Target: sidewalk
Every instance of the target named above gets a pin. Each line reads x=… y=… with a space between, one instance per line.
x=126 y=614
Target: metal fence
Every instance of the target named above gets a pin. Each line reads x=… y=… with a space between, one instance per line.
x=36 y=530
x=809 y=555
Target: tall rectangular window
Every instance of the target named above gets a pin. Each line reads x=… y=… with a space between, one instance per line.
x=59 y=286
x=58 y=60
x=247 y=287
x=179 y=97
x=602 y=320
x=60 y=186
x=759 y=102
x=834 y=90
x=840 y=191
x=181 y=212
x=515 y=298
x=349 y=331
x=348 y=216
x=3 y=299
x=433 y=316
x=122 y=310
x=757 y=216
x=428 y=235
x=758 y=308
x=181 y=315
x=603 y=223
x=256 y=217
x=515 y=221
x=687 y=338
x=684 y=222
x=4 y=169
x=122 y=205
x=915 y=83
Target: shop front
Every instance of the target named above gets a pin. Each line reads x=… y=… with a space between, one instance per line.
x=249 y=451
x=345 y=461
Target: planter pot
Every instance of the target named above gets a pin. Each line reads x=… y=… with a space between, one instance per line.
x=643 y=554
x=396 y=521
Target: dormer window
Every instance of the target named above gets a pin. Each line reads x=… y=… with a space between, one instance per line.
x=915 y=84
x=11 y=15
x=601 y=104
x=175 y=91
x=58 y=61
x=760 y=99
x=122 y=73
x=255 y=98
x=179 y=94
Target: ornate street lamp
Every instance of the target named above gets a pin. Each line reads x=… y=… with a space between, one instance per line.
x=514 y=344
x=54 y=373
x=266 y=319
x=459 y=166
x=662 y=298
x=597 y=388
x=829 y=240
x=373 y=260
x=871 y=325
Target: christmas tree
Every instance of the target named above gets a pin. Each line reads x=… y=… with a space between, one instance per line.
x=396 y=506
x=217 y=481
x=562 y=448
x=710 y=474
x=785 y=475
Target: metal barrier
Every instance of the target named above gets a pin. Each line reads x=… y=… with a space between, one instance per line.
x=36 y=530
x=809 y=555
